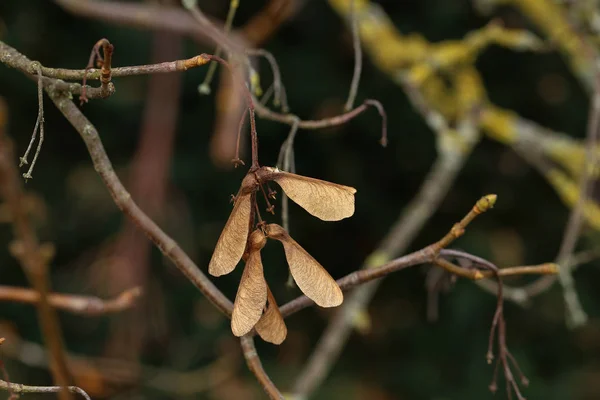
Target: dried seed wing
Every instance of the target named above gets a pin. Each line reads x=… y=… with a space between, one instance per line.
x=251 y=296
x=271 y=327
x=232 y=242
x=325 y=200
x=314 y=281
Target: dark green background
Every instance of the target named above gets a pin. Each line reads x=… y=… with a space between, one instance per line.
x=404 y=356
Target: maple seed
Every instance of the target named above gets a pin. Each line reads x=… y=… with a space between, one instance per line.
x=310 y=276
x=232 y=242
x=325 y=200
x=251 y=296
x=271 y=327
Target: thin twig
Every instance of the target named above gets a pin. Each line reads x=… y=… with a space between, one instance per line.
x=498 y=328
x=204 y=87
x=357 y=57
x=39 y=123
x=123 y=200
x=217 y=35
x=146 y=69
x=413 y=217
x=291 y=119
x=285 y=162
x=121 y=372
x=256 y=367
x=280 y=99
x=76 y=304
x=20 y=389
x=105 y=62
x=33 y=257
x=575 y=314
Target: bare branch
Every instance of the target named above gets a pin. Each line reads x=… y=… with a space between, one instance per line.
x=20 y=389
x=576 y=316
x=76 y=304
x=357 y=57
x=204 y=87
x=33 y=256
x=255 y=366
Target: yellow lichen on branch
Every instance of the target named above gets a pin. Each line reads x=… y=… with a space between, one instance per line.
x=450 y=87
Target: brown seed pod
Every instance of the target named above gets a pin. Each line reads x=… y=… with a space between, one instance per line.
x=314 y=281
x=271 y=327
x=251 y=296
x=325 y=200
x=232 y=242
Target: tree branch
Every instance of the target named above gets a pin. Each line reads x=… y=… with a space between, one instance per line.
x=256 y=367
x=76 y=304
x=20 y=389
x=33 y=257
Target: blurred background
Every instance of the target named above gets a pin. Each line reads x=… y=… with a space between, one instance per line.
x=166 y=142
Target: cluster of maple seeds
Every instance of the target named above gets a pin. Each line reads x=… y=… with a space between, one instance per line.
x=254 y=306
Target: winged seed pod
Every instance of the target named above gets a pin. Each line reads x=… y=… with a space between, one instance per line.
x=325 y=200
x=271 y=327
x=255 y=306
x=251 y=296
x=253 y=292
x=232 y=242
x=310 y=276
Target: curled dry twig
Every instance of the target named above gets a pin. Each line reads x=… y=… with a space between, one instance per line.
x=497 y=337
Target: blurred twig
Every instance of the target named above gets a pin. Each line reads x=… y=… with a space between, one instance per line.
x=357 y=57
x=454 y=148
x=265 y=23
x=33 y=256
x=576 y=316
x=22 y=389
x=76 y=304
x=148 y=180
x=98 y=375
x=204 y=87
x=147 y=16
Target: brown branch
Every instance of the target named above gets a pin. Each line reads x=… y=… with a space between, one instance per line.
x=357 y=57
x=148 y=180
x=117 y=372
x=33 y=257
x=402 y=233
x=498 y=329
x=291 y=119
x=123 y=200
x=20 y=389
x=105 y=62
x=95 y=73
x=265 y=23
x=147 y=16
x=279 y=94
x=204 y=87
x=219 y=37
x=76 y=304
x=256 y=367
